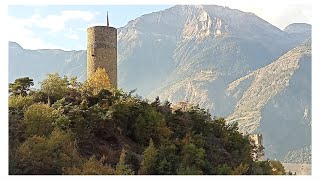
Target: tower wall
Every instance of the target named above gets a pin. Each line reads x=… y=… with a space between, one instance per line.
x=256 y=139
x=102 y=51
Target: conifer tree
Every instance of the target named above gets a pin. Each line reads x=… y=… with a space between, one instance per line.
x=122 y=168
x=21 y=86
x=148 y=164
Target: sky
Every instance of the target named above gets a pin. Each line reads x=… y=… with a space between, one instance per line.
x=35 y=27
x=64 y=26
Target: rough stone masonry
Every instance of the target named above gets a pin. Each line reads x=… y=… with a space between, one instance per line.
x=102 y=51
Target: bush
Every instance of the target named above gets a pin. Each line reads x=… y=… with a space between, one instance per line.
x=39 y=119
x=90 y=167
x=151 y=124
x=47 y=155
x=223 y=170
x=20 y=102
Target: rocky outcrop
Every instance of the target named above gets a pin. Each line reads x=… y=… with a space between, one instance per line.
x=266 y=83
x=299 y=156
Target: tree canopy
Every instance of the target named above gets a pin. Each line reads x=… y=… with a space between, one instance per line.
x=97 y=81
x=67 y=127
x=21 y=86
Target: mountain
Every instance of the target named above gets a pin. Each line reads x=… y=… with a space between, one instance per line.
x=184 y=36
x=276 y=101
x=199 y=54
x=37 y=64
x=297 y=156
x=298 y=31
x=298 y=28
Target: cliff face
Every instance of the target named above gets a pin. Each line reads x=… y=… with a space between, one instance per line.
x=217 y=38
x=277 y=102
x=233 y=63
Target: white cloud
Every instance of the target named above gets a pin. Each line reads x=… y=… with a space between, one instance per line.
x=22 y=29
x=57 y=22
x=72 y=35
x=20 y=33
x=97 y=24
x=277 y=12
x=76 y=14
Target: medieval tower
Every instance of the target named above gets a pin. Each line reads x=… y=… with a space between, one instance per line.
x=102 y=51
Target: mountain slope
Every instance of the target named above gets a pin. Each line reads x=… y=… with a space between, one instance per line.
x=266 y=104
x=38 y=63
x=298 y=31
x=299 y=156
x=218 y=38
x=298 y=28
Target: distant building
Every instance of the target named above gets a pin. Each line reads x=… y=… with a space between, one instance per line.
x=258 y=150
x=182 y=105
x=102 y=51
x=256 y=139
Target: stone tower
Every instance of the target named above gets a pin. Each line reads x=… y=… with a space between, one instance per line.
x=102 y=51
x=256 y=141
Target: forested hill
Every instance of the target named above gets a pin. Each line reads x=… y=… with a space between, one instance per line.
x=68 y=127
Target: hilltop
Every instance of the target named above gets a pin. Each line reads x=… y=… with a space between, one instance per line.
x=67 y=127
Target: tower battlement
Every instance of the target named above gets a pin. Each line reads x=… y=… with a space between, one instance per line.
x=102 y=51
x=256 y=139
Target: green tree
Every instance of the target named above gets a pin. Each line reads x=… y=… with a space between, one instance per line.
x=277 y=168
x=151 y=124
x=235 y=143
x=90 y=167
x=189 y=170
x=188 y=142
x=20 y=102
x=16 y=137
x=47 y=155
x=54 y=87
x=39 y=119
x=261 y=168
x=223 y=170
x=122 y=168
x=149 y=162
x=21 y=86
x=168 y=160
x=242 y=169
x=192 y=159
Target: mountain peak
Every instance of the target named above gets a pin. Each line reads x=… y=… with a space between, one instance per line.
x=298 y=28
x=14 y=45
x=203 y=21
